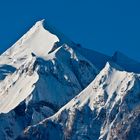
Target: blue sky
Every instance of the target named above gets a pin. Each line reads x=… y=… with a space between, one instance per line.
x=102 y=25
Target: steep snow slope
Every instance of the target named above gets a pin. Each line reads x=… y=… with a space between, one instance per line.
x=63 y=69
x=108 y=109
x=37 y=57
x=37 y=78
x=37 y=40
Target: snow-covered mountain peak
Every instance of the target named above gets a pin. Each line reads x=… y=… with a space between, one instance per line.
x=37 y=40
x=39 y=75
x=75 y=93
x=96 y=113
x=111 y=65
x=36 y=26
x=38 y=53
x=40 y=23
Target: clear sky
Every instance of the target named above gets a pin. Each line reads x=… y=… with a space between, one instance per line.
x=102 y=25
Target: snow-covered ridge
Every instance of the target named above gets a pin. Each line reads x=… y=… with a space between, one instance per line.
x=37 y=40
x=97 y=111
x=38 y=77
x=44 y=70
x=37 y=44
x=66 y=69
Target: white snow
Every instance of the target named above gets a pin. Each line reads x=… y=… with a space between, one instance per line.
x=37 y=40
x=15 y=88
x=44 y=70
x=96 y=108
x=55 y=69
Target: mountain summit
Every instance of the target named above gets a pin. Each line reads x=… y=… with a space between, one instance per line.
x=51 y=86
